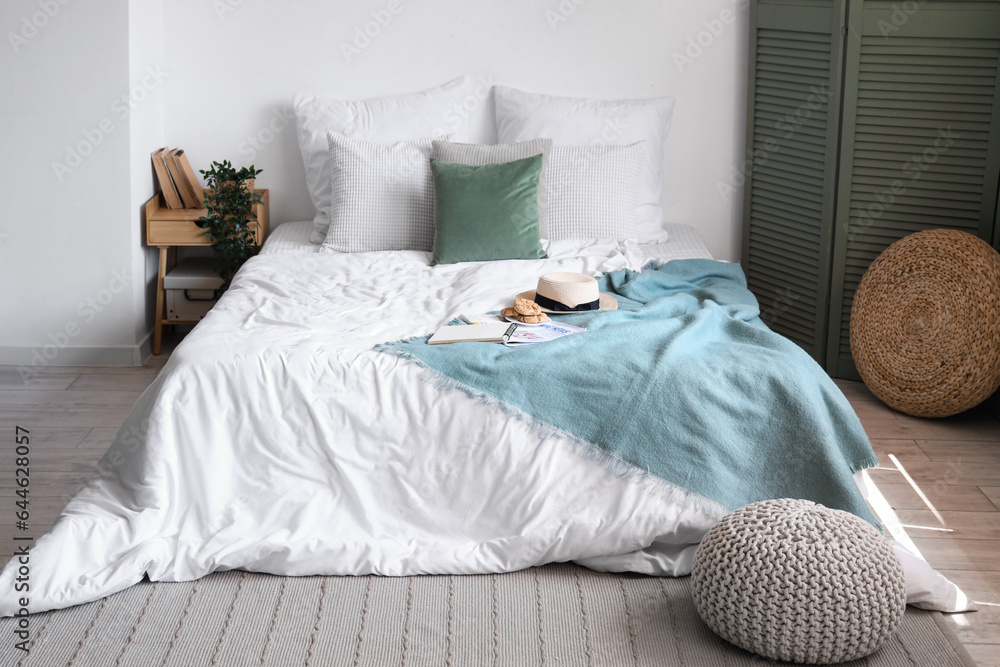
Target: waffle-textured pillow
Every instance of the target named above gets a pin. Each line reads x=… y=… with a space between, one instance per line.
x=796 y=581
x=480 y=154
x=575 y=121
x=486 y=212
x=382 y=195
x=430 y=113
x=592 y=191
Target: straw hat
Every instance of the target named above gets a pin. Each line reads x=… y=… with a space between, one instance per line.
x=565 y=292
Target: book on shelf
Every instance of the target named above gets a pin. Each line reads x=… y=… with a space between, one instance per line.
x=170 y=196
x=191 y=177
x=473 y=333
x=190 y=198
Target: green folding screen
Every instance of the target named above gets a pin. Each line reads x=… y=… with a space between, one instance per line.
x=883 y=119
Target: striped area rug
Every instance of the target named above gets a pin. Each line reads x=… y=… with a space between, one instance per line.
x=554 y=615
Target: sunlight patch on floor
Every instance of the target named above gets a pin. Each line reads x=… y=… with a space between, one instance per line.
x=897 y=530
x=886 y=515
x=935 y=529
x=916 y=487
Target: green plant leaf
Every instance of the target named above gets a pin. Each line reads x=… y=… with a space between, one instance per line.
x=229 y=218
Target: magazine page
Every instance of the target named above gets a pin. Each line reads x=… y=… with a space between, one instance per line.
x=525 y=335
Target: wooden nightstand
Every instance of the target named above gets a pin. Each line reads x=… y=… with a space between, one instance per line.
x=168 y=228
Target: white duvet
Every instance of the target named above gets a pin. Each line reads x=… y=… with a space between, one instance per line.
x=276 y=440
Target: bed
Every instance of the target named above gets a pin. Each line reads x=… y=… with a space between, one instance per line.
x=299 y=429
x=276 y=439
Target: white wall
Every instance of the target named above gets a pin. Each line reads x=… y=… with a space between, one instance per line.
x=216 y=76
x=236 y=63
x=66 y=248
x=148 y=72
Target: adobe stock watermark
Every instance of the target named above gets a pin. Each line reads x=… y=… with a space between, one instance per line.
x=225 y=7
x=277 y=123
x=33 y=24
x=127 y=441
x=562 y=12
x=953 y=475
x=914 y=168
x=782 y=301
x=789 y=125
x=459 y=113
x=88 y=311
x=713 y=29
x=121 y=109
x=257 y=476
x=364 y=35
x=901 y=13
x=611 y=132
x=453 y=118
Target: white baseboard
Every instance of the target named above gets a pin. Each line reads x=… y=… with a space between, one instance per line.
x=144 y=350
x=40 y=357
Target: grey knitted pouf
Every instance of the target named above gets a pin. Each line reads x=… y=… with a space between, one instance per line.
x=796 y=581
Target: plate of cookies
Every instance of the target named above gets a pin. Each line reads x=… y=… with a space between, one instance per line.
x=525 y=312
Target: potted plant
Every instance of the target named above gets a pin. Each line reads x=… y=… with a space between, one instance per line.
x=230 y=222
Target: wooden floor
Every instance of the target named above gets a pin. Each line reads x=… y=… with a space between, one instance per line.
x=954 y=463
x=944 y=482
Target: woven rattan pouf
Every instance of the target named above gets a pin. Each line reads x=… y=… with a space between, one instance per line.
x=796 y=581
x=925 y=323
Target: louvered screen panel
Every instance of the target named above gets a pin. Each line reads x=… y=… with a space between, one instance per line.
x=791 y=137
x=923 y=114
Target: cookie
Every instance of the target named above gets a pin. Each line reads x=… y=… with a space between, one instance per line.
x=508 y=312
x=527 y=307
x=533 y=319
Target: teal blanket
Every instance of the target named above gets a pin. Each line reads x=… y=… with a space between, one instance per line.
x=684 y=382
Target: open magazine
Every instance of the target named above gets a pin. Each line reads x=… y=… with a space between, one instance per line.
x=540 y=333
x=526 y=335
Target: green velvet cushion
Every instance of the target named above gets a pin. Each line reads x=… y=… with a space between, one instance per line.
x=486 y=212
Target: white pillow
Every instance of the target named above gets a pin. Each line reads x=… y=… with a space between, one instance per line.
x=579 y=121
x=382 y=195
x=481 y=154
x=425 y=114
x=592 y=191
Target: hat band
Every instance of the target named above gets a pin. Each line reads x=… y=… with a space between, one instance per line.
x=551 y=304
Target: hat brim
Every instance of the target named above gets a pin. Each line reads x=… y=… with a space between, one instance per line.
x=607 y=302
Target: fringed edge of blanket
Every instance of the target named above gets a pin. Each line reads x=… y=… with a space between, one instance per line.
x=588 y=450
x=869 y=463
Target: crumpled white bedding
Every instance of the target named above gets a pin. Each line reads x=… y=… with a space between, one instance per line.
x=276 y=440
